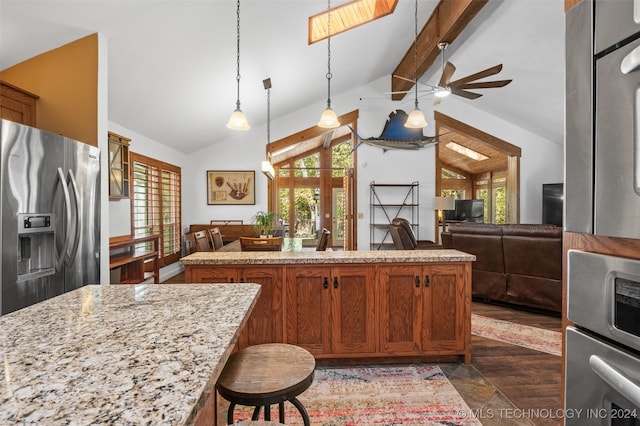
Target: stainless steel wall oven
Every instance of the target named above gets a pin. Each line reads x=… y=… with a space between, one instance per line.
x=602 y=375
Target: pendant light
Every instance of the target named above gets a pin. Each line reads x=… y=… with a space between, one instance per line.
x=416 y=118
x=238 y=121
x=328 y=119
x=267 y=165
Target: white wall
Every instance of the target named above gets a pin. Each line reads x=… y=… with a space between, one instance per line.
x=542 y=160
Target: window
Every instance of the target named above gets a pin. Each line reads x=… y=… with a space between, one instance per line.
x=156 y=204
x=491 y=187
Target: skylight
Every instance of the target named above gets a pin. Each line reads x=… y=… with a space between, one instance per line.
x=347 y=16
x=474 y=155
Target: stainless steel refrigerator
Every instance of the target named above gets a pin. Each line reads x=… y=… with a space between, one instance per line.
x=50 y=204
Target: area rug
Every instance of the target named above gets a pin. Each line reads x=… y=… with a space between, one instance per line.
x=381 y=395
x=539 y=339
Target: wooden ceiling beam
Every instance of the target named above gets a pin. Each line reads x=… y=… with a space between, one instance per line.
x=446 y=22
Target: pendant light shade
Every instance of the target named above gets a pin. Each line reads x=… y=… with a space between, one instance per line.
x=416 y=119
x=238 y=121
x=329 y=119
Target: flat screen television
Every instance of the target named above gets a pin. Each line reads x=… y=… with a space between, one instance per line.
x=467 y=210
x=552 y=203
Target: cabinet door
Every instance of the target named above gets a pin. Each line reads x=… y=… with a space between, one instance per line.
x=265 y=324
x=307 y=310
x=443 y=317
x=401 y=298
x=352 y=310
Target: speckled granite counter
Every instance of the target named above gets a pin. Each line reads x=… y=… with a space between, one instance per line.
x=333 y=257
x=144 y=354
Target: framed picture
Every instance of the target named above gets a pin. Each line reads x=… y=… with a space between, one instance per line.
x=231 y=187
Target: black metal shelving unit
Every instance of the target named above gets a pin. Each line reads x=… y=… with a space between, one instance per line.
x=388 y=201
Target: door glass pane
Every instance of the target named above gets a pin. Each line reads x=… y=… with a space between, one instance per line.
x=305 y=215
x=283 y=209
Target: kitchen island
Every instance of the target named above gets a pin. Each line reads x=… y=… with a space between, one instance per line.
x=134 y=354
x=352 y=304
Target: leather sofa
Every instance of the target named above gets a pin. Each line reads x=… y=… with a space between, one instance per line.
x=516 y=264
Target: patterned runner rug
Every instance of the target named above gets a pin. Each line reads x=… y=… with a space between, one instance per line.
x=539 y=339
x=381 y=395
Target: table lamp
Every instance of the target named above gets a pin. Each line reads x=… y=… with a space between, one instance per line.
x=443 y=203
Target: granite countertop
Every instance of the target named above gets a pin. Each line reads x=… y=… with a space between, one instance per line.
x=119 y=354
x=314 y=257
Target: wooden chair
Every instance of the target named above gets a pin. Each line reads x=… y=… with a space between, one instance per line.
x=202 y=241
x=189 y=243
x=261 y=244
x=216 y=238
x=323 y=240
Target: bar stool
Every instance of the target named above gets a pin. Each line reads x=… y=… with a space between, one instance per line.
x=261 y=375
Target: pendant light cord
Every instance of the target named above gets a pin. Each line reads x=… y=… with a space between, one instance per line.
x=415 y=54
x=329 y=75
x=238 y=54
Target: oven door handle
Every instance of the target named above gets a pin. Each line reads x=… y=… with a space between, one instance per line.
x=615 y=379
x=631 y=62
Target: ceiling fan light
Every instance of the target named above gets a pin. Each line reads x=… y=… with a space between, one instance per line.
x=416 y=120
x=442 y=92
x=328 y=119
x=238 y=121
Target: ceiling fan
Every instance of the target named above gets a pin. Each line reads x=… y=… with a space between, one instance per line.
x=459 y=87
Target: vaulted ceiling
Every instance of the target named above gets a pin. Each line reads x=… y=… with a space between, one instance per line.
x=172 y=63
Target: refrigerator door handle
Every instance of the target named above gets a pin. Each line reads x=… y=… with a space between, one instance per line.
x=76 y=240
x=67 y=201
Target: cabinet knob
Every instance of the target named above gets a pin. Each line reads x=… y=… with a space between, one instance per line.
x=426 y=280
x=325 y=284
x=231 y=280
x=335 y=282
x=417 y=281
x=242 y=279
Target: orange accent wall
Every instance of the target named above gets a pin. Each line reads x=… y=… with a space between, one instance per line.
x=66 y=79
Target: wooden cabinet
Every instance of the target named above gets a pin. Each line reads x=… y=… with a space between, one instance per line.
x=118 y=166
x=17 y=105
x=356 y=310
x=331 y=310
x=134 y=260
x=424 y=309
x=266 y=323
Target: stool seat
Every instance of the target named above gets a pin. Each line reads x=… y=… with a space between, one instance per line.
x=267 y=374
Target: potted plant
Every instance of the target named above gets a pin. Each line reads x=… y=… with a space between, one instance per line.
x=264 y=223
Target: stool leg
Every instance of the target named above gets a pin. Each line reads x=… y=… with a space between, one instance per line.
x=232 y=406
x=267 y=413
x=256 y=413
x=302 y=410
x=281 y=412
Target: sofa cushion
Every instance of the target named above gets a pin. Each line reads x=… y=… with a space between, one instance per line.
x=487 y=249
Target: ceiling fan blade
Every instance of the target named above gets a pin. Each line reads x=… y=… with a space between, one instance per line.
x=447 y=72
x=477 y=76
x=482 y=84
x=465 y=94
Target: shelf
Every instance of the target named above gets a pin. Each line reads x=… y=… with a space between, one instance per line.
x=388 y=201
x=130 y=265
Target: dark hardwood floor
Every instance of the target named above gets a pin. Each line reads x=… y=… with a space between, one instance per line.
x=506 y=384
x=529 y=379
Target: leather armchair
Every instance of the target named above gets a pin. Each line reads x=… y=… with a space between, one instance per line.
x=404 y=238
